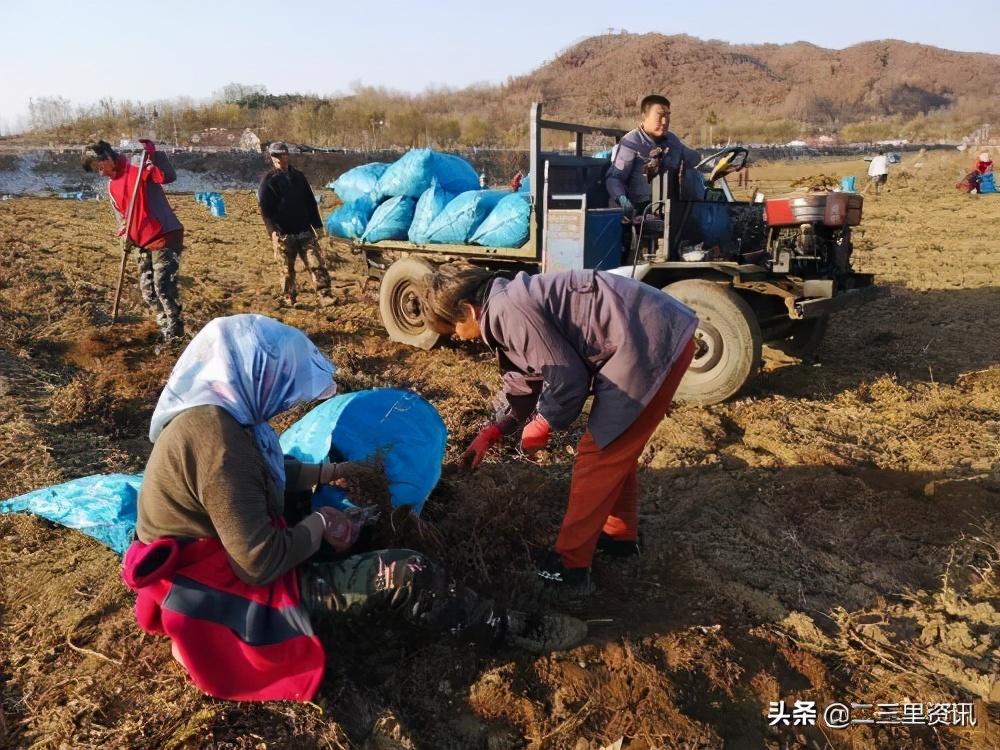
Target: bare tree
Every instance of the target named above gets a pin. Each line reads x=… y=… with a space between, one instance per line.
x=235 y=92
x=49 y=112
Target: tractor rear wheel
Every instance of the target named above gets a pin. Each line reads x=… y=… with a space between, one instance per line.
x=399 y=303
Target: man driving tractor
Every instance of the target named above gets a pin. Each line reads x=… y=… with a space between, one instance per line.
x=644 y=153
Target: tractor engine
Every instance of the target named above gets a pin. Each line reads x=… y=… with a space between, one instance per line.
x=810 y=235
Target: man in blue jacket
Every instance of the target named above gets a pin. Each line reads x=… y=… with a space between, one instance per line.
x=644 y=153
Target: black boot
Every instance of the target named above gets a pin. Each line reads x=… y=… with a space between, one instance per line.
x=562 y=581
x=617 y=547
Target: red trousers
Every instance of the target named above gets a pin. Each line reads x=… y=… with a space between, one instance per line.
x=604 y=490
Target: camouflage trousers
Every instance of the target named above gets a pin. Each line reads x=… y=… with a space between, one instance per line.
x=158 y=284
x=399 y=584
x=289 y=248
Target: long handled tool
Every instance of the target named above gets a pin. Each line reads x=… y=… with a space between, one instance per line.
x=126 y=242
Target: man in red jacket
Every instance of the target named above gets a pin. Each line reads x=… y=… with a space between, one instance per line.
x=154 y=230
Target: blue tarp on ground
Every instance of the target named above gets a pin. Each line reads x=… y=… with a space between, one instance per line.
x=351 y=219
x=462 y=216
x=358 y=182
x=413 y=172
x=507 y=224
x=399 y=427
x=102 y=506
x=391 y=220
x=432 y=202
x=987 y=183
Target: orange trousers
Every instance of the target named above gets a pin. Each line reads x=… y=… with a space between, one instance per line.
x=604 y=489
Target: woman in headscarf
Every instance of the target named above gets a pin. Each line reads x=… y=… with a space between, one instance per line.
x=218 y=568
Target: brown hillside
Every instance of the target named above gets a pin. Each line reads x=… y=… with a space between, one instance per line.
x=603 y=77
x=757 y=93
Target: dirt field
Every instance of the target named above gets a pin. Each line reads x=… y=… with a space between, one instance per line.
x=832 y=535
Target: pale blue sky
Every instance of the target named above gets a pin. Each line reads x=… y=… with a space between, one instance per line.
x=84 y=50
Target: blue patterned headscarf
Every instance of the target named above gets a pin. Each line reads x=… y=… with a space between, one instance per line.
x=253 y=367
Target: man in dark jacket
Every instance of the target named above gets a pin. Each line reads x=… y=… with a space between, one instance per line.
x=560 y=338
x=155 y=229
x=645 y=152
x=291 y=217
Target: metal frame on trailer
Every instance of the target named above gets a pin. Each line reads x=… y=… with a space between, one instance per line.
x=532 y=251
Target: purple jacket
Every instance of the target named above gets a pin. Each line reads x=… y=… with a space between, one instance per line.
x=560 y=337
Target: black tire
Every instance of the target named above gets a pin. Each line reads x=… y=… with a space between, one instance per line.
x=399 y=303
x=728 y=342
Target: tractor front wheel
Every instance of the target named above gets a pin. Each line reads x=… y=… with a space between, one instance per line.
x=727 y=342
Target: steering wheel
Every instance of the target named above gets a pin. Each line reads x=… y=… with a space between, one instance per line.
x=728 y=160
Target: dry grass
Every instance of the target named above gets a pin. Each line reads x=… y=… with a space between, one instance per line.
x=831 y=535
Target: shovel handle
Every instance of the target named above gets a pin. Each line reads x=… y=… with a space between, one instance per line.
x=126 y=242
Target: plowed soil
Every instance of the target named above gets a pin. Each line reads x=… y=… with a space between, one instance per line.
x=831 y=535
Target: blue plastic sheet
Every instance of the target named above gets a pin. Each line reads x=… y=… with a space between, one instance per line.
x=463 y=215
x=358 y=182
x=102 y=506
x=507 y=224
x=391 y=220
x=399 y=427
x=432 y=202
x=414 y=171
x=351 y=219
x=525 y=185
x=605 y=154
x=987 y=183
x=217 y=205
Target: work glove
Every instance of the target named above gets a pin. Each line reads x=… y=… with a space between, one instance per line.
x=535 y=435
x=340 y=530
x=489 y=436
x=148 y=146
x=626 y=205
x=653 y=164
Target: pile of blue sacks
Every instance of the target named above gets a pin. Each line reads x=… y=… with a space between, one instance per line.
x=214 y=202
x=427 y=197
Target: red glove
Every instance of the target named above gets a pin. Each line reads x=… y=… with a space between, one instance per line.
x=149 y=146
x=489 y=436
x=535 y=434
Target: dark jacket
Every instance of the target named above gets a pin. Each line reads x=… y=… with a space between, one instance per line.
x=561 y=337
x=626 y=174
x=287 y=202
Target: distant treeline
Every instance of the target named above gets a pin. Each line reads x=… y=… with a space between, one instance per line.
x=479 y=116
